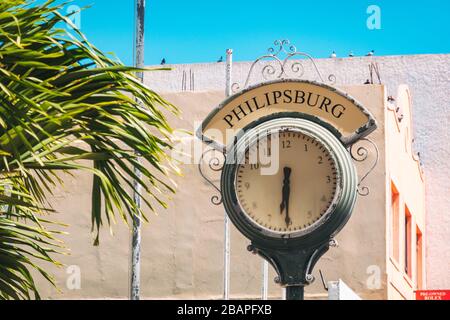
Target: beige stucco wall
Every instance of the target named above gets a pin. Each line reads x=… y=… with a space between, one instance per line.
x=428 y=77
x=182 y=246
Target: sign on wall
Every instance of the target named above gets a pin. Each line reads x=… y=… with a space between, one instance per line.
x=318 y=102
x=433 y=295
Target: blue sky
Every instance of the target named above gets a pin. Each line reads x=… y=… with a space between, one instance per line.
x=200 y=31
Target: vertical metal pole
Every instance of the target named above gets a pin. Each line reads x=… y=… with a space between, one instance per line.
x=226 y=249
x=228 y=70
x=265 y=280
x=136 y=236
x=295 y=293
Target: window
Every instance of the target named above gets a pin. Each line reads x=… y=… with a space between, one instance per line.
x=408 y=265
x=419 y=258
x=395 y=218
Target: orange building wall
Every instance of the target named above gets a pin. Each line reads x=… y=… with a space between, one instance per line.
x=404 y=176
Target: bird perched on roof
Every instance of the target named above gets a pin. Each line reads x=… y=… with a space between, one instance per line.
x=163 y=61
x=220 y=59
x=371 y=53
x=351 y=54
x=333 y=55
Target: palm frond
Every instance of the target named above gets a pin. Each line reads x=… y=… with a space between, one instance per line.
x=63 y=101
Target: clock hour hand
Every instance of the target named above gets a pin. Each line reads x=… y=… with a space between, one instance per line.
x=286 y=194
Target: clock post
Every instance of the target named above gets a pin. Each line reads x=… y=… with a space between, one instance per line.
x=294 y=267
x=292 y=206
x=295 y=293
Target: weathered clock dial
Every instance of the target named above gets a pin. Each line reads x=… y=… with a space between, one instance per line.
x=287 y=182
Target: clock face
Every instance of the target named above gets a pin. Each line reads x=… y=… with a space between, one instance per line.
x=287 y=182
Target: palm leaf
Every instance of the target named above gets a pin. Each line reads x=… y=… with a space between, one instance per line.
x=63 y=101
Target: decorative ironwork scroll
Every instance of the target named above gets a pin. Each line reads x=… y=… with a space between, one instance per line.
x=360 y=153
x=214 y=160
x=277 y=65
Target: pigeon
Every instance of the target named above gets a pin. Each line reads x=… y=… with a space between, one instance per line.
x=220 y=59
x=163 y=61
x=333 y=55
x=351 y=54
x=371 y=53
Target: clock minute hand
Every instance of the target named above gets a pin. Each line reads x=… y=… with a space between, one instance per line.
x=287 y=174
x=286 y=195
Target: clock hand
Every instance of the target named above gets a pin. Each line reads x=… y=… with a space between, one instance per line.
x=283 y=199
x=287 y=173
x=285 y=195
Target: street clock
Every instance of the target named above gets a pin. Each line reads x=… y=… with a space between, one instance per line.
x=288 y=182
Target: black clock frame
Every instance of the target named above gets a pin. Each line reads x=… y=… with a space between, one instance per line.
x=293 y=258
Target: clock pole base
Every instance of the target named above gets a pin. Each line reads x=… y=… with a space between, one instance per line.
x=295 y=293
x=293 y=265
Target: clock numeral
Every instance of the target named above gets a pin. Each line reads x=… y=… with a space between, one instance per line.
x=254 y=205
x=254 y=166
x=328 y=179
x=320 y=160
x=286 y=144
x=309 y=215
x=306 y=147
x=247 y=185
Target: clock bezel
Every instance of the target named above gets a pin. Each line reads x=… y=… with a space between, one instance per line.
x=313 y=226
x=337 y=213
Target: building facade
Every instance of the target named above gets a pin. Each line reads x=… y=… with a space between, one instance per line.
x=395 y=242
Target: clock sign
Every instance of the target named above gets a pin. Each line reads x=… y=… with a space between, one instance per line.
x=288 y=183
